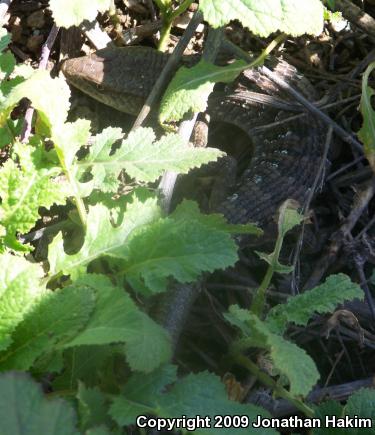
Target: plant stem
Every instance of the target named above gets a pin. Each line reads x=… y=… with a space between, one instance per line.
x=168 y=16
x=162 y=7
x=259 y=301
x=46 y=50
x=165 y=32
x=260 y=59
x=112 y=8
x=181 y=9
x=278 y=389
x=169 y=69
x=78 y=200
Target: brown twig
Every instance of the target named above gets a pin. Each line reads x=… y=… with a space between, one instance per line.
x=43 y=62
x=257 y=130
x=359 y=264
x=357 y=16
x=137 y=33
x=345 y=136
x=176 y=304
x=168 y=180
x=327 y=260
x=168 y=70
x=281 y=407
x=318 y=179
x=345 y=167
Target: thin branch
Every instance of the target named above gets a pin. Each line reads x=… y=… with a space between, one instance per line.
x=363 y=199
x=168 y=180
x=176 y=304
x=168 y=70
x=281 y=407
x=359 y=263
x=43 y=62
x=317 y=181
x=276 y=387
x=257 y=130
x=356 y=16
x=345 y=136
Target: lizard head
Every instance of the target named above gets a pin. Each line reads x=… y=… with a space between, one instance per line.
x=119 y=77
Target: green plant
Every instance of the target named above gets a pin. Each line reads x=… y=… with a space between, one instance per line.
x=169 y=14
x=291 y=363
x=367 y=132
x=360 y=405
x=109 y=359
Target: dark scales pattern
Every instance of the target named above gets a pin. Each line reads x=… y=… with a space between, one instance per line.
x=121 y=78
x=286 y=158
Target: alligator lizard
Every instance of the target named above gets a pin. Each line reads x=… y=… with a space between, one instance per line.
x=285 y=159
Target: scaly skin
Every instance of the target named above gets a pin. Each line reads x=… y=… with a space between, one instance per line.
x=286 y=158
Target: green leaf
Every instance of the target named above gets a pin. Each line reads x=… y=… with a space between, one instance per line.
x=182 y=245
x=69 y=13
x=92 y=365
x=20 y=289
x=50 y=97
x=288 y=217
x=69 y=137
x=367 y=131
x=93 y=407
x=196 y=394
x=204 y=394
x=116 y=319
x=56 y=318
x=335 y=18
x=139 y=392
x=190 y=88
x=101 y=237
x=289 y=359
x=7 y=64
x=362 y=404
x=25 y=410
x=102 y=430
x=101 y=162
x=273 y=261
x=51 y=362
x=24 y=188
x=4 y=39
x=6 y=136
x=141 y=157
x=190 y=210
x=21 y=71
x=322 y=299
x=294 y=17
x=9 y=133
x=329 y=408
